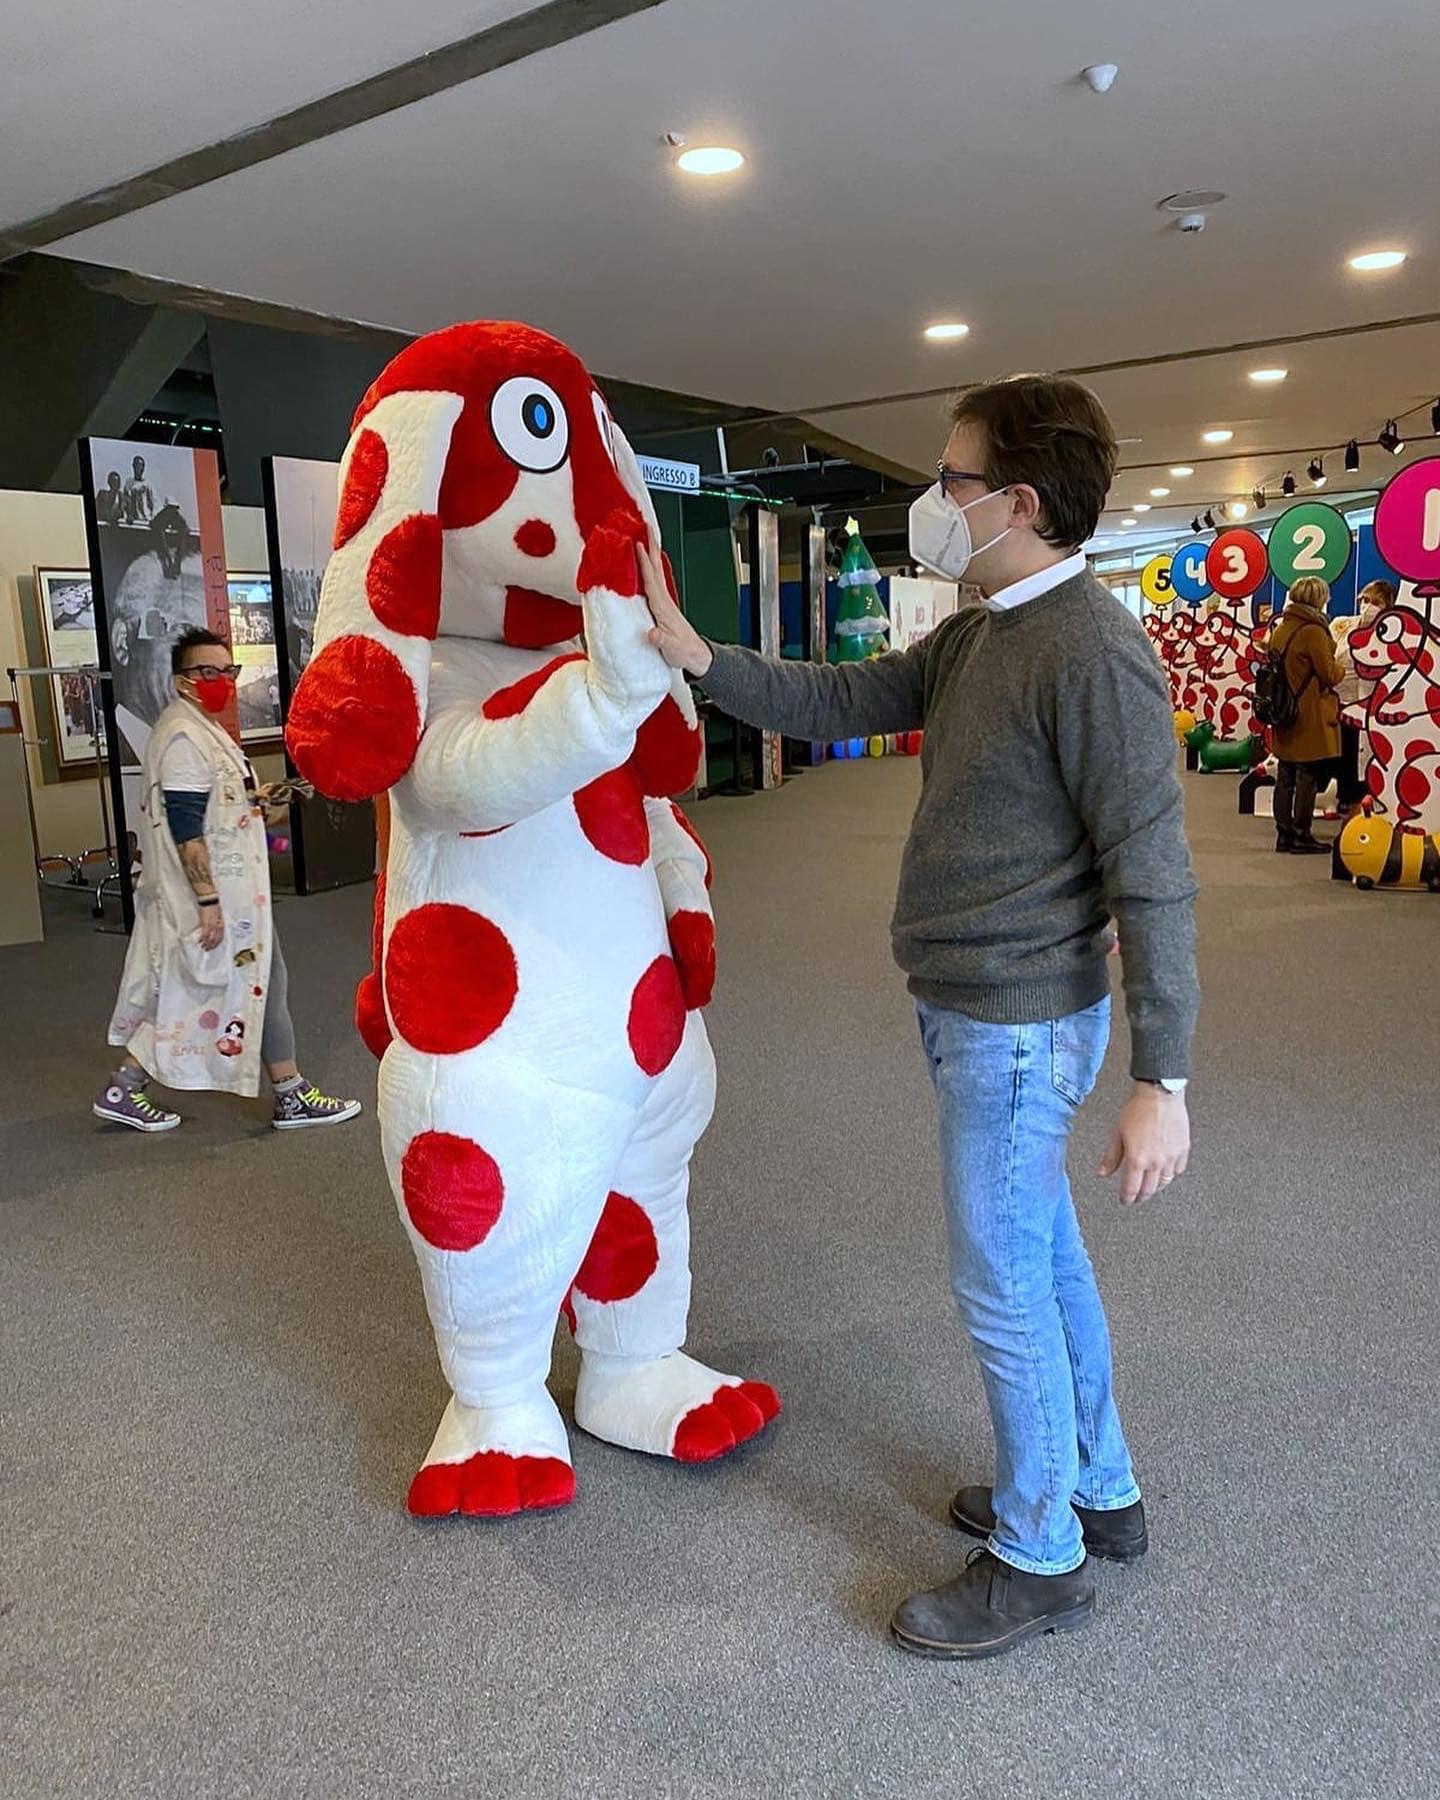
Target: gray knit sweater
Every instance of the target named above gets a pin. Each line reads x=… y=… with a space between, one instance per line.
x=1051 y=803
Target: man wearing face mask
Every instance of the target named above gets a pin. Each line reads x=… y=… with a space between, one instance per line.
x=203 y=999
x=1051 y=804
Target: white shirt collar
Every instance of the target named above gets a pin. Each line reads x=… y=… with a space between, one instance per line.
x=1032 y=586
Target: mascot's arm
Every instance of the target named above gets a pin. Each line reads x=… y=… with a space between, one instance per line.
x=682 y=871
x=536 y=742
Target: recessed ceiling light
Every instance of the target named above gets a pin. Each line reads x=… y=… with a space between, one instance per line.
x=1129 y=521
x=1190 y=200
x=1158 y=493
x=951 y=329
x=1181 y=470
x=1371 y=260
x=1238 y=509
x=1217 y=437
x=710 y=159
x=1268 y=374
x=1142 y=506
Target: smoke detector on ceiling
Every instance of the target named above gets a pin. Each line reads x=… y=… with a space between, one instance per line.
x=1100 y=77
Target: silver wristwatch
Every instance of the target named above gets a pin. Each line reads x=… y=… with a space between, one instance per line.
x=1171 y=1085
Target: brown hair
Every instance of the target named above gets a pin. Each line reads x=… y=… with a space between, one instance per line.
x=1310 y=590
x=1045 y=432
x=1380 y=593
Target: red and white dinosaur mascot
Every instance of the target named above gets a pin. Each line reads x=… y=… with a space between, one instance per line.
x=543 y=931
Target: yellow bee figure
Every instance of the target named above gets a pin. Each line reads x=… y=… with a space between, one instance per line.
x=1184 y=725
x=1377 y=854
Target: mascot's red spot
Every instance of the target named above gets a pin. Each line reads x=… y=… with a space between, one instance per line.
x=364 y=483
x=609 y=560
x=450 y=978
x=370 y=1020
x=402 y=582
x=657 y=1016
x=666 y=758
x=692 y=943
x=535 y=538
x=535 y=621
x=611 y=812
x=507 y=702
x=623 y=1253
x=354 y=722
x=693 y=834
x=452 y=1188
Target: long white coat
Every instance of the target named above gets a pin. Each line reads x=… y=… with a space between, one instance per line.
x=192 y=1017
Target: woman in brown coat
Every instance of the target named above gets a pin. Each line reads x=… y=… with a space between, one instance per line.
x=1305 y=748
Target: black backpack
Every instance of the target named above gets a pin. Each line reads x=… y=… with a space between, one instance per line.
x=1275 y=702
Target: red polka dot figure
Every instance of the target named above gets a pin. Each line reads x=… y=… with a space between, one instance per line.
x=544 y=937
x=1397 y=653
x=1224 y=654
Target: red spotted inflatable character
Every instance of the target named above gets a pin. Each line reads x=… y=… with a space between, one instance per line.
x=543 y=934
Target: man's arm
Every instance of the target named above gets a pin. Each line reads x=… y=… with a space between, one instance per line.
x=820 y=700
x=801 y=699
x=1116 y=747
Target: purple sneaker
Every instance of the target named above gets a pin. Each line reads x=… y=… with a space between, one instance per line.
x=304 y=1104
x=132 y=1106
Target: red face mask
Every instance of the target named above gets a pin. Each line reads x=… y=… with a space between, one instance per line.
x=214 y=692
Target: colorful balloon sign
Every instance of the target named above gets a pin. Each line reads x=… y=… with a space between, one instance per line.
x=1407 y=523
x=1309 y=539
x=1235 y=564
x=1187 y=572
x=1155 y=582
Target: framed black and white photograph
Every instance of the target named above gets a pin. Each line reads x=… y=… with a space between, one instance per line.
x=67 y=620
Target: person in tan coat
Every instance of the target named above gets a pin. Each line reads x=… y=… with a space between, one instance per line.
x=1305 y=748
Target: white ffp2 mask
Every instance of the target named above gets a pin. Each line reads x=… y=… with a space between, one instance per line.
x=940 y=533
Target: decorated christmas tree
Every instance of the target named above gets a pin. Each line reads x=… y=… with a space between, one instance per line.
x=861 y=623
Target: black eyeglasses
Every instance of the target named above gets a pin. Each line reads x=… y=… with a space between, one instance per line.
x=952 y=477
x=197 y=670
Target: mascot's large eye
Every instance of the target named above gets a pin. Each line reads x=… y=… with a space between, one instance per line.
x=1390 y=628
x=607 y=428
x=529 y=423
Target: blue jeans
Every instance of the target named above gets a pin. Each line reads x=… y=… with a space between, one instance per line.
x=1008 y=1096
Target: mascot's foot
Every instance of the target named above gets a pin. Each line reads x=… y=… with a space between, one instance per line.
x=673 y=1406
x=491 y=1461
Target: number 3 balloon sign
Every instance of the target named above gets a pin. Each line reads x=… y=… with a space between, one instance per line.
x=1236 y=564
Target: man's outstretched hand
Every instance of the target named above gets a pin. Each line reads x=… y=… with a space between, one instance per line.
x=1151 y=1145
x=674 y=636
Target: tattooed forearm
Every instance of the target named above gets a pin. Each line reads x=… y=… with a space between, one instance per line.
x=195 y=861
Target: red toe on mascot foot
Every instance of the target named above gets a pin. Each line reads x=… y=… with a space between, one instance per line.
x=543 y=932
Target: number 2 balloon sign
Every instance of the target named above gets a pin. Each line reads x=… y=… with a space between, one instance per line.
x=1309 y=539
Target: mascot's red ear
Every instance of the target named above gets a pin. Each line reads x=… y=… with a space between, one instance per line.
x=359 y=708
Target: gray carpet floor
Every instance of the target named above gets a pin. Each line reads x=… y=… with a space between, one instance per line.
x=218 y=1380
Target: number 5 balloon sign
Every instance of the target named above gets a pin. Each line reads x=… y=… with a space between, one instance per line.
x=1407 y=527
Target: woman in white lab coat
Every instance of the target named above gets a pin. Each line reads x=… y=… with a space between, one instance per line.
x=203 y=999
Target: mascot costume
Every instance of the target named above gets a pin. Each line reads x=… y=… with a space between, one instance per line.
x=543 y=936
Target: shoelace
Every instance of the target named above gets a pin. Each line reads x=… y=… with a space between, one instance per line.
x=146 y=1104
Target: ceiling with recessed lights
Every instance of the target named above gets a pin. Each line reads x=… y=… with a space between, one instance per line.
x=894 y=179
